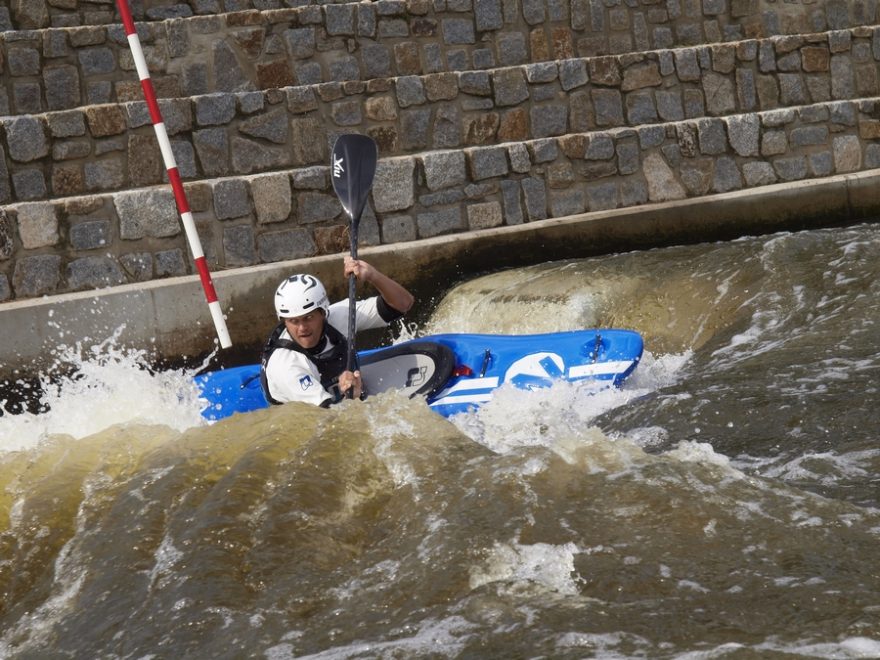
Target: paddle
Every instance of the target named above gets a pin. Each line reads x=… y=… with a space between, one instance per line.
x=352 y=167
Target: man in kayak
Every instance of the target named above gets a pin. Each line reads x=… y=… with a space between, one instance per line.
x=305 y=357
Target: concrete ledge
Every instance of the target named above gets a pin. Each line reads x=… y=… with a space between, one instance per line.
x=170 y=318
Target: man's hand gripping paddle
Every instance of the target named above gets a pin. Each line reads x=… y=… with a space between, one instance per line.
x=352 y=168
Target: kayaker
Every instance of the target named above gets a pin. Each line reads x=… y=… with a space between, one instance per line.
x=305 y=356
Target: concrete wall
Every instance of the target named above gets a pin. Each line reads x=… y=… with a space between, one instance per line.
x=489 y=114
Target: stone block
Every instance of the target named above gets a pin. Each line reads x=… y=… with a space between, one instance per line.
x=847 y=154
x=447 y=127
x=284 y=245
x=271 y=197
x=170 y=263
x=410 y=91
x=485 y=215
x=214 y=109
x=443 y=169
x=511 y=198
x=62 y=87
x=727 y=176
x=97 y=61
x=608 y=104
x=66 y=124
x=414 y=126
x=548 y=120
x=712 y=137
x=669 y=105
x=774 y=143
x=106 y=174
x=535 y=194
x=435 y=223
x=231 y=199
x=662 y=184
x=93 y=273
x=520 y=160
x=340 y=19
x=398 y=229
x=90 y=235
x=791 y=168
x=573 y=74
x=146 y=213
x=486 y=162
x=37 y=225
x=393 y=185
x=238 y=246
x=212 y=149
x=26 y=138
x=821 y=163
x=315 y=207
x=29 y=184
x=252 y=156
x=5 y=289
x=602 y=196
x=720 y=93
x=641 y=75
x=640 y=108
x=744 y=132
x=488 y=15
x=567 y=202
x=758 y=174
x=511 y=47
x=36 y=276
x=510 y=87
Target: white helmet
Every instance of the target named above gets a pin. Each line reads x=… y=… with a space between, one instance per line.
x=299 y=295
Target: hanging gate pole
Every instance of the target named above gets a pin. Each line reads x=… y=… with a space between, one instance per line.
x=186 y=217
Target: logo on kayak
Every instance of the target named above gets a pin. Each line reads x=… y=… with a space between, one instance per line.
x=536 y=370
x=337 y=167
x=305 y=382
x=416 y=376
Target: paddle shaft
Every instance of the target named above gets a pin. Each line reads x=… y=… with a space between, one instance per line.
x=351 y=362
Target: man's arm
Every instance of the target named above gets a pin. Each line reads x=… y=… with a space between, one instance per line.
x=393 y=293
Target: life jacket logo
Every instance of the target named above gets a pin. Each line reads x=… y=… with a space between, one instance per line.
x=305 y=382
x=337 y=167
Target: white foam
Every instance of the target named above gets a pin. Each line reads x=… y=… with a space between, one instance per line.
x=542 y=565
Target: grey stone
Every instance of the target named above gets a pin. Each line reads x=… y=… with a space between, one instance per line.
x=511 y=198
x=687 y=66
x=458 y=31
x=146 y=213
x=344 y=68
x=90 y=235
x=5 y=289
x=392 y=28
x=541 y=72
x=27 y=97
x=29 y=184
x=548 y=120
x=250 y=102
x=476 y=83
x=627 y=157
x=170 y=263
x=414 y=126
x=231 y=199
x=727 y=176
x=842 y=77
x=545 y=92
x=93 y=273
x=510 y=87
x=487 y=14
x=62 y=87
x=340 y=19
x=238 y=246
x=317 y=207
x=447 y=127
x=376 y=59
x=791 y=169
x=410 y=91
x=519 y=158
x=398 y=229
x=813 y=114
x=5 y=188
x=746 y=92
x=215 y=109
x=66 y=124
x=712 y=136
x=311 y=178
x=533 y=11
x=309 y=74
x=640 y=108
x=366 y=18
x=26 y=139
x=633 y=192
x=96 y=61
x=808 y=135
x=36 y=276
x=662 y=185
x=544 y=150
x=602 y=196
x=283 y=245
x=512 y=48
x=573 y=74
x=37 y=225
x=436 y=223
x=484 y=215
x=442 y=198
x=346 y=112
x=487 y=162
x=669 y=105
x=822 y=163
x=872 y=156
x=774 y=143
x=394 y=184
x=251 y=156
x=766 y=57
x=272 y=126
x=228 y=73
x=609 y=107
x=443 y=169
x=844 y=114
x=651 y=136
x=300 y=42
x=693 y=103
x=744 y=132
x=758 y=174
x=847 y=153
x=212 y=149
x=600 y=146
x=108 y=174
x=567 y=202
x=720 y=93
x=185 y=157
x=535 y=193
x=271 y=196
x=792 y=90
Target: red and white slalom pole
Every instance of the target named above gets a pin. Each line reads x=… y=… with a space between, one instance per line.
x=186 y=217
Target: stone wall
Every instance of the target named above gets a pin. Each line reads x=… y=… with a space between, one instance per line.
x=486 y=114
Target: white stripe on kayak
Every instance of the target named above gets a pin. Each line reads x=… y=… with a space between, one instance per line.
x=599 y=368
x=472 y=384
x=463 y=398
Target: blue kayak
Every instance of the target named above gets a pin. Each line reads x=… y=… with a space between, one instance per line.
x=457 y=372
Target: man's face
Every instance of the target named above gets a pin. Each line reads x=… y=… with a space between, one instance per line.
x=307 y=329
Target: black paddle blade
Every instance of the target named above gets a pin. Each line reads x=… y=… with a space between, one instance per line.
x=352 y=168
